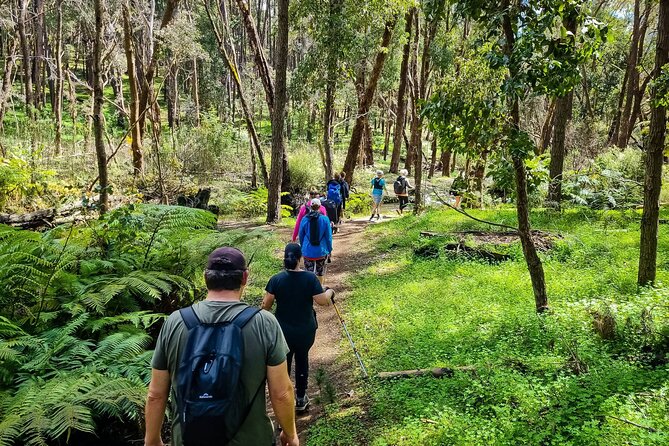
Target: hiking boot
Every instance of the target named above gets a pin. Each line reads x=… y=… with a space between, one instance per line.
x=301 y=404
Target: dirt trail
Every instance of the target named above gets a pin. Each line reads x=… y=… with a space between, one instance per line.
x=350 y=253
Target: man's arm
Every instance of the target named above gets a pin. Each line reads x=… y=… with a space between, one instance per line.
x=156 y=401
x=267 y=301
x=283 y=400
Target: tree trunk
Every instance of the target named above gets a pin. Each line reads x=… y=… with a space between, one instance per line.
x=547 y=128
x=38 y=52
x=367 y=145
x=445 y=163
x=196 y=92
x=258 y=53
x=433 y=158
x=10 y=62
x=97 y=110
x=401 y=93
x=563 y=111
x=387 y=131
x=279 y=115
x=58 y=97
x=135 y=127
x=363 y=109
x=532 y=259
x=653 y=160
x=231 y=62
x=25 y=55
x=632 y=76
x=327 y=125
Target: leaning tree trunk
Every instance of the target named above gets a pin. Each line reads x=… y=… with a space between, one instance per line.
x=279 y=115
x=532 y=259
x=10 y=62
x=363 y=109
x=98 y=100
x=401 y=94
x=654 y=158
x=135 y=127
x=231 y=62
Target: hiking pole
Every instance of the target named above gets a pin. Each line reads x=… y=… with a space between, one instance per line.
x=350 y=339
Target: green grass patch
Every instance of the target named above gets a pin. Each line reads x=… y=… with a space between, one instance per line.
x=550 y=379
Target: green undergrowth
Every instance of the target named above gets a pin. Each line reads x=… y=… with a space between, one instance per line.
x=81 y=306
x=593 y=371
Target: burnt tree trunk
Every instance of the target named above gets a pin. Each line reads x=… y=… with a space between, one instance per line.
x=653 y=160
x=58 y=96
x=25 y=56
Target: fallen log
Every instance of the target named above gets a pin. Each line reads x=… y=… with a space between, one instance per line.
x=491 y=256
x=51 y=217
x=437 y=372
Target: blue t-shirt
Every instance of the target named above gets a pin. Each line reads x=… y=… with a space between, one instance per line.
x=377 y=187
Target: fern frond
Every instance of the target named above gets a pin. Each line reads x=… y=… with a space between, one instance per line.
x=140 y=319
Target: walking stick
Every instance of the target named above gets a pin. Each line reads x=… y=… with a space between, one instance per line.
x=350 y=339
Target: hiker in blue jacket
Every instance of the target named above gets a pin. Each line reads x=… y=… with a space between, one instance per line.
x=316 y=239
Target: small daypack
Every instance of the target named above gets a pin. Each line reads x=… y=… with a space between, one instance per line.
x=399 y=186
x=377 y=184
x=314 y=228
x=211 y=398
x=334 y=192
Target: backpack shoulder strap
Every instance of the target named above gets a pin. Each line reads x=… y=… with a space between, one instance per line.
x=190 y=318
x=245 y=316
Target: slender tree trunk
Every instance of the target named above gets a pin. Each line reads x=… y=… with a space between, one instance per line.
x=58 y=97
x=363 y=109
x=547 y=128
x=532 y=259
x=633 y=76
x=654 y=159
x=98 y=100
x=614 y=130
x=327 y=125
x=38 y=61
x=25 y=55
x=433 y=158
x=401 y=93
x=279 y=115
x=196 y=92
x=387 y=132
x=135 y=124
x=10 y=62
x=636 y=108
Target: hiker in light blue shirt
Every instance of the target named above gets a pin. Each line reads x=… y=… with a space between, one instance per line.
x=378 y=190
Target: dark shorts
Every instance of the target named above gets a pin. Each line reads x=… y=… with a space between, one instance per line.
x=315 y=266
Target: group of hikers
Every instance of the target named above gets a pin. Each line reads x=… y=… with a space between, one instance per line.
x=217 y=357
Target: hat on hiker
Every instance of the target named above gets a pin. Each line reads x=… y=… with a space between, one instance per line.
x=315 y=204
x=379 y=173
x=226 y=259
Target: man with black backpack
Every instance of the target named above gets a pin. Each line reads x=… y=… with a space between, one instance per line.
x=316 y=239
x=216 y=357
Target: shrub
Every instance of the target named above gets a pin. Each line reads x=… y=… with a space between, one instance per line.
x=255 y=204
x=306 y=170
x=358 y=203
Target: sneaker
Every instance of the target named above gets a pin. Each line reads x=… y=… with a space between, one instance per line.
x=302 y=403
x=371 y=218
x=378 y=216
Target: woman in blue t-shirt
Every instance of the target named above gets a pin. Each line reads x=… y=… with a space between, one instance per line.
x=295 y=292
x=378 y=190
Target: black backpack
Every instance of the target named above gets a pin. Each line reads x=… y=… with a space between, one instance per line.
x=211 y=399
x=399 y=186
x=314 y=228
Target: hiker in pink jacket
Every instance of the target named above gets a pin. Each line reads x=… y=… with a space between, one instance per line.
x=303 y=211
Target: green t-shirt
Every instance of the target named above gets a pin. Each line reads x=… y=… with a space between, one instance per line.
x=264 y=345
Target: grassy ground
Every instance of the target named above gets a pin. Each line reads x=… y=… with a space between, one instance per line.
x=538 y=380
